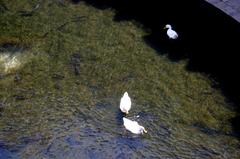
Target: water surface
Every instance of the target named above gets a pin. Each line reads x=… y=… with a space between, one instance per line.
x=76 y=63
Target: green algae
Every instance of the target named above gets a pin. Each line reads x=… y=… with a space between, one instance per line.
x=113 y=58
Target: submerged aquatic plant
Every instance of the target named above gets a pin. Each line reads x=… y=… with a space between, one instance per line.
x=70 y=81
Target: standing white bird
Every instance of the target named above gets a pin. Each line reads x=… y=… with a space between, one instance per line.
x=133 y=126
x=171 y=33
x=125 y=103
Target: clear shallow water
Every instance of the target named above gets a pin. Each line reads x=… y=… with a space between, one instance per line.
x=63 y=101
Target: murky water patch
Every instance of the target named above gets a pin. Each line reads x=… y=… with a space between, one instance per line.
x=98 y=133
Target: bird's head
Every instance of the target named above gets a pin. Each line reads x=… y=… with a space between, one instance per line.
x=168 y=26
x=126 y=94
x=143 y=130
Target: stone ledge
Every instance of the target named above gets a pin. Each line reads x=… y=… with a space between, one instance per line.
x=230 y=7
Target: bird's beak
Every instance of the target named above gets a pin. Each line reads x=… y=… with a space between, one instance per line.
x=127 y=112
x=144 y=130
x=164 y=28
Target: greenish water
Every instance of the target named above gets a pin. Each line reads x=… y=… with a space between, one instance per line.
x=74 y=63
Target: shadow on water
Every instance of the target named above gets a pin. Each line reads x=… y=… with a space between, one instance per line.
x=119 y=117
x=207 y=37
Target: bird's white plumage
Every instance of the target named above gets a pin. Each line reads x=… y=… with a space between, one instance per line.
x=170 y=32
x=125 y=103
x=133 y=126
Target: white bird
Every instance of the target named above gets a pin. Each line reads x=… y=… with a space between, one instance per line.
x=125 y=103
x=133 y=126
x=171 y=33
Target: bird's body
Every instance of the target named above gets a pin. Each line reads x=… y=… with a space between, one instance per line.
x=170 y=32
x=125 y=103
x=133 y=126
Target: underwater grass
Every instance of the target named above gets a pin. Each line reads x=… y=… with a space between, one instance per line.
x=113 y=58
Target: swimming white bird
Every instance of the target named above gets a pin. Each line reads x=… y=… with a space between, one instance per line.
x=133 y=126
x=125 y=103
x=171 y=33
